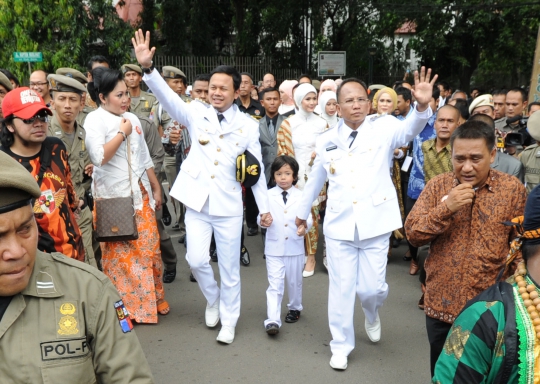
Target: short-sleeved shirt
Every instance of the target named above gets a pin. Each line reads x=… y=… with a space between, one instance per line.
x=254 y=109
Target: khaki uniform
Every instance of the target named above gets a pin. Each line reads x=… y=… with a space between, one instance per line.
x=530 y=158
x=145 y=106
x=78 y=158
x=68 y=326
x=170 y=168
x=81 y=117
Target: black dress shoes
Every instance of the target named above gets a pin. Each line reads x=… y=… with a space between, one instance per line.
x=292 y=316
x=169 y=276
x=272 y=329
x=192 y=278
x=213 y=255
x=252 y=231
x=244 y=256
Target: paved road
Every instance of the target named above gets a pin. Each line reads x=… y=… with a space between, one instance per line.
x=181 y=349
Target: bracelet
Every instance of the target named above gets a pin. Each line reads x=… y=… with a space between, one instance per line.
x=123 y=134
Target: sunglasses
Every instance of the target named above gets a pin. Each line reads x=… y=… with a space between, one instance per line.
x=42 y=116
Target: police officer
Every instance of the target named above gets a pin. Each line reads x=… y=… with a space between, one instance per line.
x=530 y=157
x=177 y=81
x=61 y=321
x=77 y=75
x=142 y=103
x=67 y=100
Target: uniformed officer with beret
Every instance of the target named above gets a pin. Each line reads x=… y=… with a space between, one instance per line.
x=5 y=87
x=67 y=101
x=61 y=321
x=77 y=75
x=142 y=103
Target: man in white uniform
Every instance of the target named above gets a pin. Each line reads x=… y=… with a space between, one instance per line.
x=362 y=208
x=207 y=184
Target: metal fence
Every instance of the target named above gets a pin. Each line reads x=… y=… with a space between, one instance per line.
x=256 y=66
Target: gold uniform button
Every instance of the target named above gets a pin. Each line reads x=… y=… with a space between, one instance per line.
x=350 y=154
x=385 y=198
x=221 y=136
x=284 y=211
x=354 y=202
x=353 y=187
x=286 y=225
x=212 y=176
x=215 y=162
x=236 y=143
x=219 y=149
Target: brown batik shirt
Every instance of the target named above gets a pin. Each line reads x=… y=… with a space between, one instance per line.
x=468 y=247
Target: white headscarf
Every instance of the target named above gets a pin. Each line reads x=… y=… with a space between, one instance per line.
x=300 y=93
x=324 y=98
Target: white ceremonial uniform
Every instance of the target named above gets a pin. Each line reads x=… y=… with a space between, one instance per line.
x=284 y=251
x=207 y=186
x=362 y=210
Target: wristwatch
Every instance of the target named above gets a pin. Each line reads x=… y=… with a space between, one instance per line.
x=148 y=70
x=123 y=134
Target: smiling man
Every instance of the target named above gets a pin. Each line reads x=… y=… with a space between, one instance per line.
x=61 y=321
x=24 y=137
x=207 y=183
x=461 y=213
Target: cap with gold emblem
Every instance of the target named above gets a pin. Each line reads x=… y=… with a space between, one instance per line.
x=533 y=125
x=73 y=73
x=481 y=101
x=169 y=72
x=61 y=83
x=17 y=186
x=248 y=169
x=5 y=82
x=131 y=67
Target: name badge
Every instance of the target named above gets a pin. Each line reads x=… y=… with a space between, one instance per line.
x=331 y=148
x=64 y=349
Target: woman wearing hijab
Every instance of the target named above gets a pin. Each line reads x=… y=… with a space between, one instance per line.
x=296 y=137
x=385 y=102
x=286 y=94
x=328 y=107
x=328 y=85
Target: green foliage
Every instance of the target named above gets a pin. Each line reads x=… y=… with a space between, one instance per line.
x=68 y=32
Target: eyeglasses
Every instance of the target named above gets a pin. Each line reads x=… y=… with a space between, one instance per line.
x=351 y=102
x=41 y=116
x=38 y=84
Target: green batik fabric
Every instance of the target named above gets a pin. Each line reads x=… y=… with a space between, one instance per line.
x=474 y=349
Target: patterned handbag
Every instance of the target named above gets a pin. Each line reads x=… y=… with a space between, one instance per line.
x=115 y=217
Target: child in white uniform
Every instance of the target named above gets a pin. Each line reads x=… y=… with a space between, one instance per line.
x=284 y=247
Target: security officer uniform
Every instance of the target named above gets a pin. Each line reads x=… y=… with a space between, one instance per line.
x=254 y=109
x=530 y=157
x=78 y=159
x=146 y=104
x=170 y=166
x=76 y=75
x=67 y=324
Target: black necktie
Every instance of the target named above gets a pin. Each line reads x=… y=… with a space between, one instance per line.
x=353 y=135
x=220 y=117
x=284 y=193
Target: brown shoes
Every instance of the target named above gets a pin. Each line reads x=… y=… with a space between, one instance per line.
x=414 y=267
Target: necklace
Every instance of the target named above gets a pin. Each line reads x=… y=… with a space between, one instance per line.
x=530 y=296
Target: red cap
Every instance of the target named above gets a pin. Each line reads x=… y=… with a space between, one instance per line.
x=24 y=103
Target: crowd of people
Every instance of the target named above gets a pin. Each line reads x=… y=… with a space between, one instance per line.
x=85 y=160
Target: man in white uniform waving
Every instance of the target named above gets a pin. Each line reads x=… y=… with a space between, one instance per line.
x=207 y=182
x=362 y=207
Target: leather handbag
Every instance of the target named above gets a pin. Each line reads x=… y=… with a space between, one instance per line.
x=115 y=217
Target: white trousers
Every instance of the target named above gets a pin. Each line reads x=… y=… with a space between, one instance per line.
x=281 y=269
x=355 y=268
x=227 y=230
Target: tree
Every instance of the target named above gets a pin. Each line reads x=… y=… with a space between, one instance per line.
x=68 y=32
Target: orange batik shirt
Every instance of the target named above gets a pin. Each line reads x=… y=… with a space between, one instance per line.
x=58 y=229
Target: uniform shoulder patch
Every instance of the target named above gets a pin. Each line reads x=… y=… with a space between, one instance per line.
x=123 y=316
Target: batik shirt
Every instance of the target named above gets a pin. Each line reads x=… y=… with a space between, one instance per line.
x=58 y=229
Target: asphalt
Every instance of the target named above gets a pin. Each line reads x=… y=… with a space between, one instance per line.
x=182 y=349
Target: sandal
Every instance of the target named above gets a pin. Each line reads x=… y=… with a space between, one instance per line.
x=163 y=308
